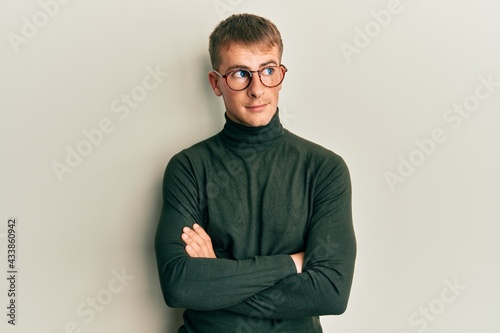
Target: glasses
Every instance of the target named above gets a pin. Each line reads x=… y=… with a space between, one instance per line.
x=239 y=79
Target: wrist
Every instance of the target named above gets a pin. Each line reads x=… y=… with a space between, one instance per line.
x=298 y=260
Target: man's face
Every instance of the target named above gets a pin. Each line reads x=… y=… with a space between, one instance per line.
x=255 y=105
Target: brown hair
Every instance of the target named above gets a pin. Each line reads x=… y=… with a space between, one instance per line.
x=247 y=29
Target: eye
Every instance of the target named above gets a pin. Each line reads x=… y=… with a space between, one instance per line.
x=268 y=71
x=241 y=73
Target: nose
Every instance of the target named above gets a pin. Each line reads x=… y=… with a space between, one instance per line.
x=256 y=88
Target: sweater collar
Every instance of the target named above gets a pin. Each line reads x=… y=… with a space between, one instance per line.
x=246 y=139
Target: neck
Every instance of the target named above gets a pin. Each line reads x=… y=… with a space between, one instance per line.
x=247 y=139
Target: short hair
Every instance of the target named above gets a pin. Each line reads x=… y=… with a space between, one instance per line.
x=246 y=29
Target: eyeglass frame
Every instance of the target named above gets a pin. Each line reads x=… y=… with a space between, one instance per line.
x=281 y=67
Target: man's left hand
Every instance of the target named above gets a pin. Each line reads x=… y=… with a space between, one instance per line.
x=198 y=242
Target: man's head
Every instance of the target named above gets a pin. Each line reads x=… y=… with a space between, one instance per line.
x=251 y=43
x=246 y=29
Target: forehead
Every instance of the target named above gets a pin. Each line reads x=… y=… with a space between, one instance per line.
x=251 y=56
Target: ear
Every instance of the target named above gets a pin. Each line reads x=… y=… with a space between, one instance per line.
x=213 y=79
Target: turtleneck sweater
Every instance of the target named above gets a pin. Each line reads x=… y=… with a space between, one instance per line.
x=261 y=194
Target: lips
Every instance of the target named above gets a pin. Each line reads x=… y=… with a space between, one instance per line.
x=258 y=107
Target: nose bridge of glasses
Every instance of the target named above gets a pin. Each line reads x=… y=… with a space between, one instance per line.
x=256 y=72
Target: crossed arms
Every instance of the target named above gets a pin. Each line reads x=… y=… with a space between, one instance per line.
x=199 y=245
x=314 y=282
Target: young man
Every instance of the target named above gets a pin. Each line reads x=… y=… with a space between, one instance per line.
x=255 y=233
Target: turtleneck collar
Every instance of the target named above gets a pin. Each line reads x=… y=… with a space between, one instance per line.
x=246 y=139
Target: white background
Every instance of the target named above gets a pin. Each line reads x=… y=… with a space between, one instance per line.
x=439 y=222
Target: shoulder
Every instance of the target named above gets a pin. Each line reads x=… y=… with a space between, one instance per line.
x=197 y=152
x=314 y=154
x=190 y=163
x=328 y=170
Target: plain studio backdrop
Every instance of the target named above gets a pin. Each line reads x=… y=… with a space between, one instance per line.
x=96 y=97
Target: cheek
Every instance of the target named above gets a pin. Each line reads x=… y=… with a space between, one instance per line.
x=232 y=97
x=276 y=93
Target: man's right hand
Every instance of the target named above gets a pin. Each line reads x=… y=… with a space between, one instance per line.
x=298 y=259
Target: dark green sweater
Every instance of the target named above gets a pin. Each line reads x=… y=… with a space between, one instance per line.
x=261 y=193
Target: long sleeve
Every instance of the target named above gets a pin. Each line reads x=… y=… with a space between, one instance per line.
x=201 y=283
x=324 y=286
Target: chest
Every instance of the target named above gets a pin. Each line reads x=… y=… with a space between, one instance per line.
x=256 y=205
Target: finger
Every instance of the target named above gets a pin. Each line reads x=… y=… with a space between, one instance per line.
x=193 y=249
x=199 y=240
x=206 y=238
x=203 y=248
x=198 y=243
x=192 y=236
x=202 y=233
x=208 y=241
x=191 y=252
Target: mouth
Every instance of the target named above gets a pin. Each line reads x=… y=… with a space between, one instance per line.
x=256 y=108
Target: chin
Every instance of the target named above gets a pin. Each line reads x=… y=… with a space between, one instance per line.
x=258 y=120
x=251 y=119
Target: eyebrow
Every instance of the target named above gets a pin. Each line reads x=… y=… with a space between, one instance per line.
x=230 y=68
